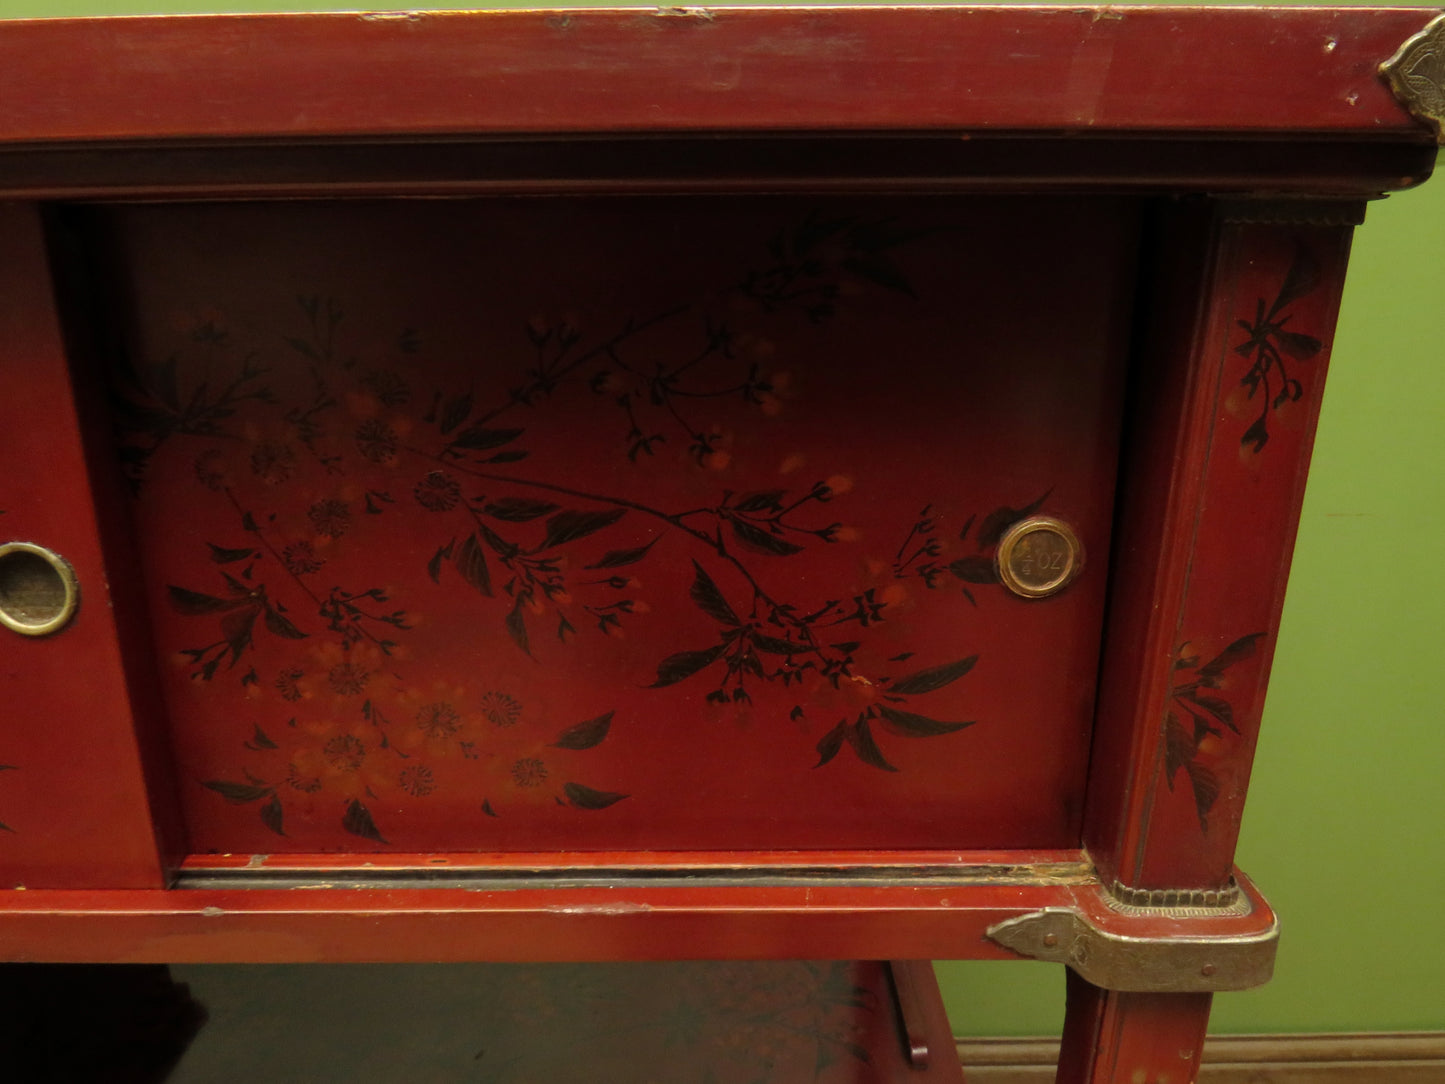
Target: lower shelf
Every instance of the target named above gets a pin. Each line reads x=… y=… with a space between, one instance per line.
x=680 y=1023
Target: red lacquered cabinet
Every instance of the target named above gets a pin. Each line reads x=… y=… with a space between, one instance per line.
x=671 y=484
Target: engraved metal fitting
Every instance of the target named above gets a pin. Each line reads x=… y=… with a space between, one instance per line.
x=1416 y=74
x=1038 y=557
x=39 y=593
x=1166 y=950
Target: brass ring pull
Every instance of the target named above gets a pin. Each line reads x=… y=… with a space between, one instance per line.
x=1038 y=557
x=39 y=593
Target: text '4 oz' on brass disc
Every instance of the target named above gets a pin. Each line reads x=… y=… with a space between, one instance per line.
x=1038 y=557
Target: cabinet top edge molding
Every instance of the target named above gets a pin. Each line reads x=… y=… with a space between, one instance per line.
x=1042 y=72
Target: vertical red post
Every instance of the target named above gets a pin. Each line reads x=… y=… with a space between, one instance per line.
x=1230 y=374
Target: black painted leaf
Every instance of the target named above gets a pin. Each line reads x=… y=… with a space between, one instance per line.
x=434 y=566
x=761 y=541
x=1303 y=277
x=281 y=625
x=925 y=681
x=456 y=412
x=860 y=737
x=260 y=741
x=976 y=569
x=769 y=501
x=1179 y=747
x=519 y=509
x=585 y=735
x=848 y=646
x=776 y=646
x=1257 y=434
x=515 y=455
x=880 y=271
x=1202 y=726
x=499 y=545
x=621 y=558
x=359 y=823
x=825 y=1056
x=237 y=793
x=1001 y=519
x=1219 y=708
x=684 y=664
x=471 y=562
x=857 y=1051
x=478 y=438
x=908 y=725
x=516 y=623
x=1299 y=346
x=571 y=525
x=194 y=604
x=963 y=534
x=301 y=346
x=271 y=815
x=487 y=807
x=1206 y=791
x=5 y=827
x=1238 y=651
x=236 y=627
x=829 y=744
x=587 y=798
x=228 y=557
x=248 y=523
x=709 y=599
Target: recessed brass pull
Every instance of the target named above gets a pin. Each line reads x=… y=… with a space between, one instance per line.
x=38 y=589
x=1039 y=556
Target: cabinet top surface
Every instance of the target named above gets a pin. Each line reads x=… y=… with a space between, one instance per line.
x=1255 y=73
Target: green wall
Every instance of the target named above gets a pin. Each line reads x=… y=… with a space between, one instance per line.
x=1344 y=826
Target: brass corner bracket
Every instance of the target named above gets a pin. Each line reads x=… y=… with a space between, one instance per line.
x=1417 y=75
x=1188 y=949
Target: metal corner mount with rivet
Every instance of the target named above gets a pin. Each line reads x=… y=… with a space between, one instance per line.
x=1156 y=953
x=1417 y=75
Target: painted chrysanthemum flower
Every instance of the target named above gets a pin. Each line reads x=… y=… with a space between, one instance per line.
x=301 y=559
x=376 y=441
x=417 y=780
x=344 y=752
x=299 y=779
x=501 y=710
x=330 y=518
x=529 y=772
x=272 y=462
x=438 y=720
x=437 y=492
x=348 y=678
x=286 y=683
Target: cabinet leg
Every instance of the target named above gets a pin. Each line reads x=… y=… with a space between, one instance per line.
x=1124 y=1038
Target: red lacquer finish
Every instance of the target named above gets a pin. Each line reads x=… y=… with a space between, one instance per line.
x=697 y=553
x=1217 y=506
x=1113 y=1036
x=1145 y=70
x=74 y=796
x=598 y=563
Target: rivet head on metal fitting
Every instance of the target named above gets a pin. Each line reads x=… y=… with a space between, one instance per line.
x=1207 y=970
x=1051 y=939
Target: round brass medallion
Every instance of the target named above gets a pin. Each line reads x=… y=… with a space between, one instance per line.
x=1038 y=557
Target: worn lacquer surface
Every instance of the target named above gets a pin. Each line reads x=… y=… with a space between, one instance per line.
x=611 y=523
